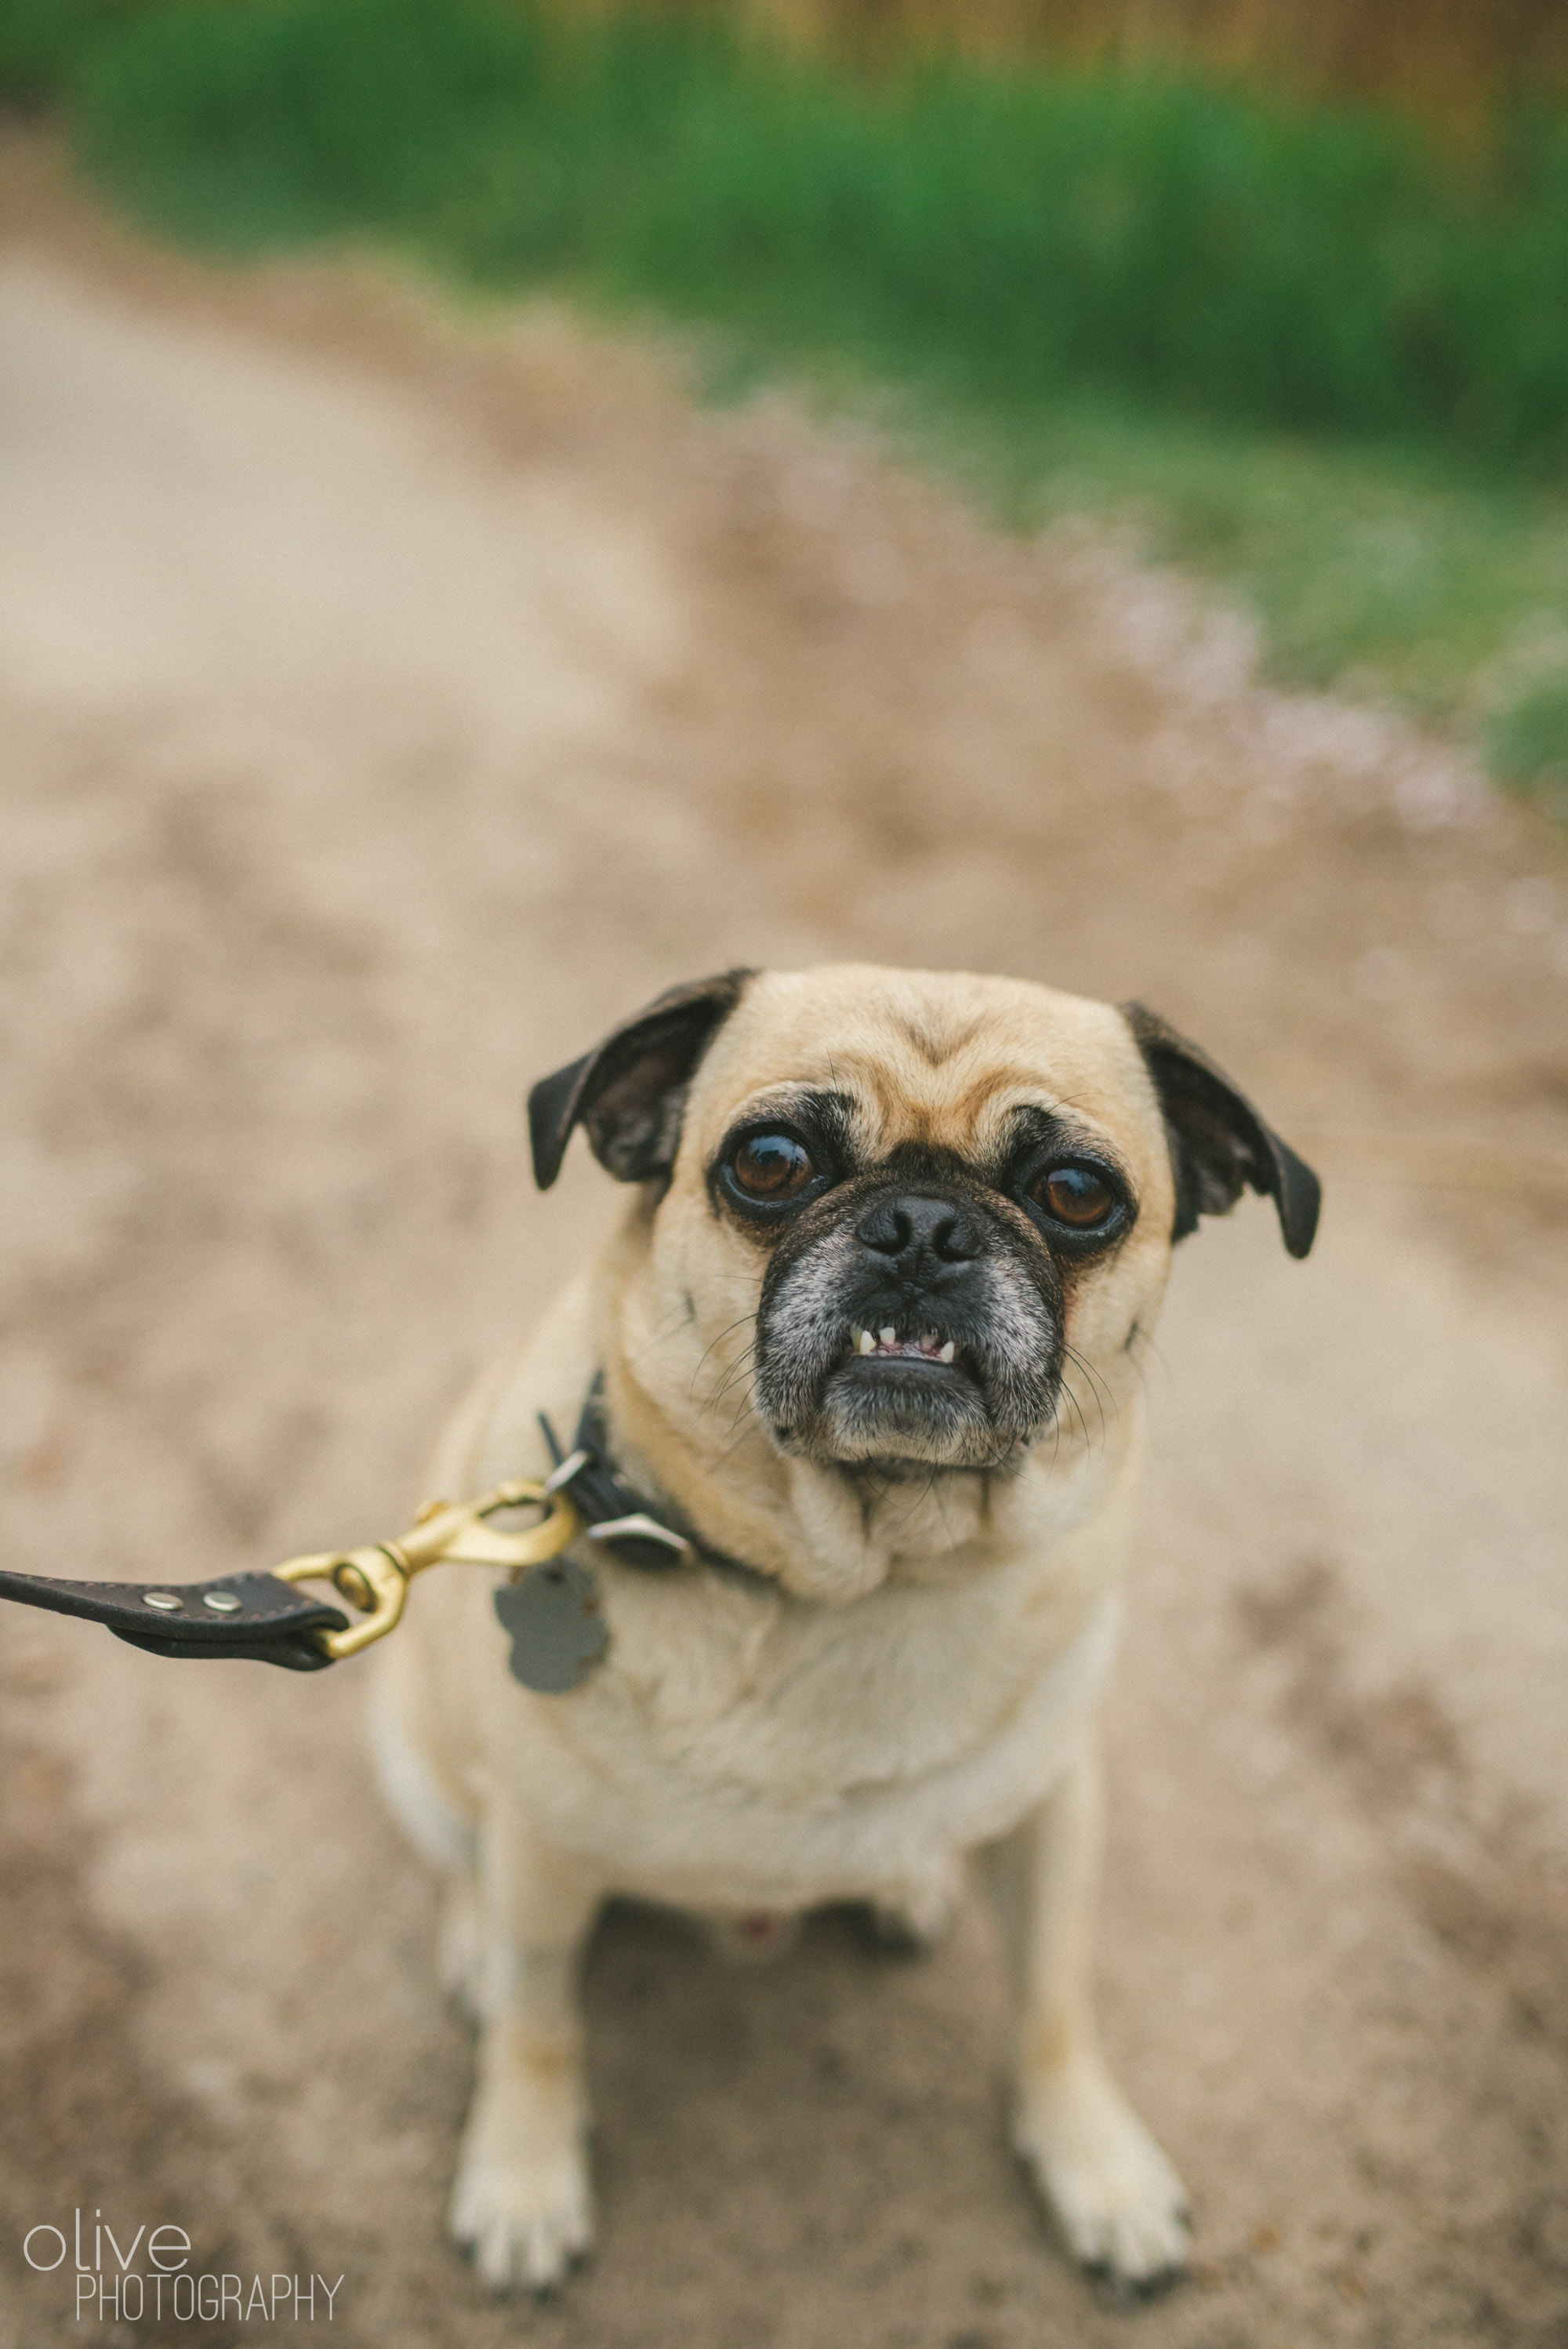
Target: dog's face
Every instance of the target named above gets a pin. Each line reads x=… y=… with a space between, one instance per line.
x=907 y=1201
x=924 y=1180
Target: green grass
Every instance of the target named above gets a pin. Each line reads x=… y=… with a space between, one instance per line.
x=1528 y=742
x=1320 y=360
x=1380 y=569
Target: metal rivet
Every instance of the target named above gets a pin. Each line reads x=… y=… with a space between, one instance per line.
x=221 y=1602
x=164 y=1600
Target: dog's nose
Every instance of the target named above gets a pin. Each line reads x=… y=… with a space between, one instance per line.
x=910 y=1229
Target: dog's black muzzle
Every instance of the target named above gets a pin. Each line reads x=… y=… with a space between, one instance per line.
x=912 y=1325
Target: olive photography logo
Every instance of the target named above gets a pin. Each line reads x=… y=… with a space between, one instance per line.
x=151 y=2278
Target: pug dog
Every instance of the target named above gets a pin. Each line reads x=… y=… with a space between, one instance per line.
x=865 y=1350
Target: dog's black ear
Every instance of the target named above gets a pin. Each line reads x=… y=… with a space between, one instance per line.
x=1219 y=1144
x=628 y=1093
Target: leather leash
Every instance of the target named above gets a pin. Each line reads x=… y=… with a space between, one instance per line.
x=266 y=1616
x=549 y=1605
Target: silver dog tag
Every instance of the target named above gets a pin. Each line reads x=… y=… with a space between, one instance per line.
x=557 y=1628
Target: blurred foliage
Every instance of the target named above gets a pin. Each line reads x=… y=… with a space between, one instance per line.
x=1528 y=742
x=1454 y=59
x=1326 y=270
x=42 y=42
x=1316 y=350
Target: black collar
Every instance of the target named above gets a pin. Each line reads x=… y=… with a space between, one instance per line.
x=619 y=1518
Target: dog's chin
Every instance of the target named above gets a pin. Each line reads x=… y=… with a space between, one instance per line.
x=898 y=1414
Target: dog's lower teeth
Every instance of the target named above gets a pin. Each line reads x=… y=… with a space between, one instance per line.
x=947 y=1352
x=889 y=1336
x=865 y=1342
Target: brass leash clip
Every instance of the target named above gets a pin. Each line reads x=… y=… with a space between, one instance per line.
x=374 y=1579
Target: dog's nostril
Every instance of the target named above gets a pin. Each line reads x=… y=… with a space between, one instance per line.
x=914 y=1226
x=887 y=1230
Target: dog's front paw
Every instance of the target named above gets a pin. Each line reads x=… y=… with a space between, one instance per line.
x=522 y=2203
x=1118 y=2200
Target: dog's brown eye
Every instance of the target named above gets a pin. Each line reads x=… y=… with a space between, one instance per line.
x=772 y=1167
x=1073 y=1196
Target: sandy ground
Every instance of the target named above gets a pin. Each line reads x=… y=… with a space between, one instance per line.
x=384 y=709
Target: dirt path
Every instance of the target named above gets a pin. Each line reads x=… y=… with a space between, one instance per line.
x=382 y=710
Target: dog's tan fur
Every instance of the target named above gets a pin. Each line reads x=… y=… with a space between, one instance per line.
x=915 y=1680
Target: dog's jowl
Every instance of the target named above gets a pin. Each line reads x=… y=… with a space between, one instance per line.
x=856 y=1379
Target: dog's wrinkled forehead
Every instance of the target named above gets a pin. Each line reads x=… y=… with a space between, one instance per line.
x=937 y=1061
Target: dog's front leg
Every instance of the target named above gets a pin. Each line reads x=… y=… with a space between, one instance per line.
x=1118 y=2202
x=521 y=2198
